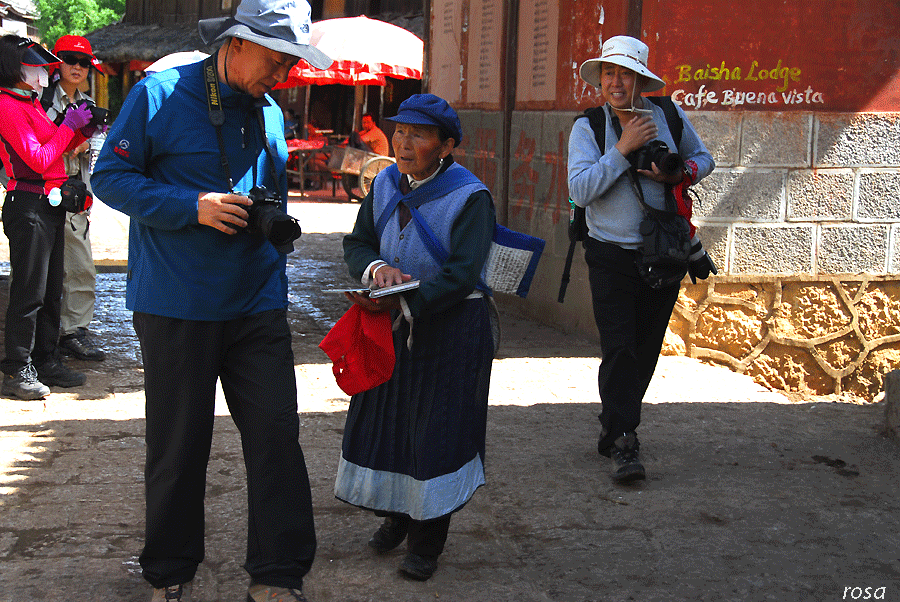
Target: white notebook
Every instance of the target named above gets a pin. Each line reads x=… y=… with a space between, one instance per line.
x=379 y=292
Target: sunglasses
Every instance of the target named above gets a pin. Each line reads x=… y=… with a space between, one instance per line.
x=69 y=59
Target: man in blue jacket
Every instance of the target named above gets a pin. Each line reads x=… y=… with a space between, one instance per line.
x=209 y=295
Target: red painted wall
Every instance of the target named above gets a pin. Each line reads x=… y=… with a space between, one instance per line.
x=759 y=55
x=816 y=55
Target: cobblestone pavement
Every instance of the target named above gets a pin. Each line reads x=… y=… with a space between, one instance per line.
x=750 y=496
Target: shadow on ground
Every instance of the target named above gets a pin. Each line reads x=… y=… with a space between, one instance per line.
x=752 y=501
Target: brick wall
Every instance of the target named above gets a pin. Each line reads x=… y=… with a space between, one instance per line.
x=801 y=197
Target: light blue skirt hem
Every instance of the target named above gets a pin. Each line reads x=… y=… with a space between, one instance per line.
x=394 y=492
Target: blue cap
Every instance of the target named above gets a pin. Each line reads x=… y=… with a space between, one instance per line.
x=428 y=109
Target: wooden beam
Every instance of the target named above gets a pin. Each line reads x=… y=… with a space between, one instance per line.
x=635 y=8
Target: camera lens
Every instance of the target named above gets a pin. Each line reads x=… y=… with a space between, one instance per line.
x=670 y=164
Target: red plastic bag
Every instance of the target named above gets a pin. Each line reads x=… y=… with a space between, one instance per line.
x=362 y=348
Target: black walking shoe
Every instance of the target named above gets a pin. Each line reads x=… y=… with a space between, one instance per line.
x=625 y=454
x=80 y=345
x=420 y=568
x=389 y=535
x=24 y=384
x=54 y=374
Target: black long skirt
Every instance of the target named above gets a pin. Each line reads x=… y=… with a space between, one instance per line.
x=415 y=445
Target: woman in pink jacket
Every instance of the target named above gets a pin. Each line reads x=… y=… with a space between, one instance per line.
x=31 y=148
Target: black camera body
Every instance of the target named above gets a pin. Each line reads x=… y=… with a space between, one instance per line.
x=269 y=221
x=99 y=115
x=657 y=152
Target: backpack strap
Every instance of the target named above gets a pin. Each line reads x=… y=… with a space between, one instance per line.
x=47 y=95
x=673 y=119
x=596 y=117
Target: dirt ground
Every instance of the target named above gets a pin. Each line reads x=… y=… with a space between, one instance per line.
x=750 y=496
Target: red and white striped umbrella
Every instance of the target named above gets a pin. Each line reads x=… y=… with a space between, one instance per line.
x=369 y=46
x=365 y=51
x=302 y=74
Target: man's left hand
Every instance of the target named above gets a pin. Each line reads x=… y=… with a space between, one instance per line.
x=225 y=212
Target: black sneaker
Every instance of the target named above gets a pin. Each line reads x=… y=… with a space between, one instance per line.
x=389 y=535
x=24 y=384
x=80 y=345
x=625 y=454
x=54 y=374
x=417 y=567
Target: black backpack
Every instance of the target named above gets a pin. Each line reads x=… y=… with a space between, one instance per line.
x=596 y=116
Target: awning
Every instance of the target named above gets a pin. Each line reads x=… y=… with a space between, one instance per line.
x=125 y=42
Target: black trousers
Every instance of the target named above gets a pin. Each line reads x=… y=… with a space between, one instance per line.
x=632 y=319
x=36 y=246
x=252 y=358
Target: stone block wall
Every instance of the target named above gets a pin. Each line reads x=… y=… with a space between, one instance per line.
x=802 y=216
x=801 y=192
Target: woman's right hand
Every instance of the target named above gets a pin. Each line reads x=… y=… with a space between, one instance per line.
x=636 y=133
x=382 y=275
x=77 y=117
x=386 y=275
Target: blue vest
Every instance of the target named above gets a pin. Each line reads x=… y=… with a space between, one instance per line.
x=440 y=202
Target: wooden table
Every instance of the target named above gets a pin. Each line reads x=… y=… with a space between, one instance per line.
x=304 y=154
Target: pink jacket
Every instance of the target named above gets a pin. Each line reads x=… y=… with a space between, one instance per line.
x=32 y=146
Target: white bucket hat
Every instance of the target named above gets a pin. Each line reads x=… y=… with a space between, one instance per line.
x=627 y=52
x=280 y=25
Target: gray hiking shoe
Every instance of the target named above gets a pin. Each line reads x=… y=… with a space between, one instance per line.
x=24 y=384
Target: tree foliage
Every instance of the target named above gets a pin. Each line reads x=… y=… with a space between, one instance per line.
x=76 y=17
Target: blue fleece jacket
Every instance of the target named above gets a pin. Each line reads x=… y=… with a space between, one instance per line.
x=160 y=153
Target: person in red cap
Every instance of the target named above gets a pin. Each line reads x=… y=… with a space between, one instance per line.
x=80 y=277
x=31 y=149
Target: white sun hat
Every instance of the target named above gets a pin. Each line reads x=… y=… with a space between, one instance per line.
x=176 y=59
x=279 y=25
x=627 y=52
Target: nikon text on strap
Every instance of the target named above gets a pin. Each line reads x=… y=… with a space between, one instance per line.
x=217 y=119
x=216 y=114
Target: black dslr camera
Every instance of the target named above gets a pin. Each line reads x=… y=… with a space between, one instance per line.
x=99 y=115
x=269 y=221
x=657 y=152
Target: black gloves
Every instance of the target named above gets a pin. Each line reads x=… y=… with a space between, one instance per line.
x=700 y=264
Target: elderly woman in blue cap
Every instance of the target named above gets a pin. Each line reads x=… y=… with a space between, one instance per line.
x=413 y=449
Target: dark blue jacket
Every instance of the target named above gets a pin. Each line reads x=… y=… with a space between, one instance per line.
x=160 y=153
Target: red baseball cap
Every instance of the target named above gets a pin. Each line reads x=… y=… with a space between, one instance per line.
x=76 y=44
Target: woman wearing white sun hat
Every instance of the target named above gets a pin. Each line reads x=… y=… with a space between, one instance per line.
x=631 y=315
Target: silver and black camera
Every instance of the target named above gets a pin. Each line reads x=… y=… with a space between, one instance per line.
x=269 y=221
x=657 y=152
x=99 y=115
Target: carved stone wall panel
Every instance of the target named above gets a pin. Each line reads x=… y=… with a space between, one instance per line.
x=838 y=334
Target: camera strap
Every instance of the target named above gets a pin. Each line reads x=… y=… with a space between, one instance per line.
x=632 y=171
x=216 y=113
x=217 y=118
